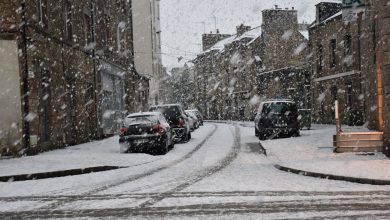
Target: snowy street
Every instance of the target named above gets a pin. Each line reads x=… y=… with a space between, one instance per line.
x=221 y=173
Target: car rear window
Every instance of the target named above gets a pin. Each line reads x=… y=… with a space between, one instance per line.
x=170 y=112
x=279 y=108
x=144 y=119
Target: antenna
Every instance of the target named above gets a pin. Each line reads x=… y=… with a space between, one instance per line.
x=215 y=22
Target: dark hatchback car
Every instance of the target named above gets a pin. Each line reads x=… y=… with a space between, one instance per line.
x=148 y=131
x=177 y=119
x=277 y=118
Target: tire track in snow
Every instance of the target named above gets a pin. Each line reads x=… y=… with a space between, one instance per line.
x=316 y=208
x=137 y=176
x=348 y=194
x=204 y=173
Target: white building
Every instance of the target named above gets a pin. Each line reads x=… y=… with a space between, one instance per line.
x=147 y=44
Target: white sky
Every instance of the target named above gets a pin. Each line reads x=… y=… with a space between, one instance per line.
x=182 y=28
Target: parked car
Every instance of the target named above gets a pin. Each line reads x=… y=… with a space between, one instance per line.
x=198 y=115
x=193 y=120
x=147 y=131
x=275 y=118
x=177 y=119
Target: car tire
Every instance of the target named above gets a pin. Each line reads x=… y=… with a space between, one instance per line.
x=187 y=138
x=164 y=148
x=262 y=136
x=257 y=132
x=296 y=133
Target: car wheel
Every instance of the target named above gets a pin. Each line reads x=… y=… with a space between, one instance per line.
x=296 y=133
x=256 y=132
x=164 y=148
x=187 y=138
x=172 y=144
x=262 y=136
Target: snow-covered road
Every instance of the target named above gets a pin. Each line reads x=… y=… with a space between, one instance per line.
x=220 y=174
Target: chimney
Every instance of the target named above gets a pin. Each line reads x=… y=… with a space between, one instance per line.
x=242 y=29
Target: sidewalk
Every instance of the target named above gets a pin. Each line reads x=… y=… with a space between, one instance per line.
x=96 y=154
x=312 y=155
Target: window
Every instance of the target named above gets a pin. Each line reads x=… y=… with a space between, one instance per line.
x=108 y=33
x=121 y=38
x=347 y=45
x=68 y=21
x=333 y=58
x=88 y=26
x=42 y=13
x=349 y=94
x=320 y=57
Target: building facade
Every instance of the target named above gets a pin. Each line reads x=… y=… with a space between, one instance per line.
x=147 y=45
x=284 y=58
x=336 y=67
x=73 y=71
x=351 y=64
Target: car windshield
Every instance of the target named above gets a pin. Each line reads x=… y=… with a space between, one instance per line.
x=195 y=109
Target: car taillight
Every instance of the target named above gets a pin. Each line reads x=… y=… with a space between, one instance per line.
x=158 y=129
x=123 y=131
x=181 y=122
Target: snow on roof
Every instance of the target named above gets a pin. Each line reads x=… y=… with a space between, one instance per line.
x=220 y=45
x=143 y=114
x=278 y=100
x=328 y=19
x=253 y=34
x=305 y=34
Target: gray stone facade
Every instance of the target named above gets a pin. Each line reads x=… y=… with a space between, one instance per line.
x=79 y=58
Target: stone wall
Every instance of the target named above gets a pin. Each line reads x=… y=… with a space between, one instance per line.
x=65 y=67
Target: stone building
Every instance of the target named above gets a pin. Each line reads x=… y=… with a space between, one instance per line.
x=351 y=64
x=237 y=72
x=377 y=23
x=225 y=75
x=208 y=40
x=284 y=58
x=73 y=76
x=336 y=67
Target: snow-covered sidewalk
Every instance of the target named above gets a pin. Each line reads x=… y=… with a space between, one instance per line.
x=93 y=154
x=313 y=152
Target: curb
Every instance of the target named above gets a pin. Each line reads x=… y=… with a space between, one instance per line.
x=55 y=174
x=333 y=177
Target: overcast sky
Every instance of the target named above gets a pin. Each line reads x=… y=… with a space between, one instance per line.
x=182 y=27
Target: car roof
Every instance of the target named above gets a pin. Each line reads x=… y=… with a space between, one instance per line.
x=166 y=105
x=278 y=100
x=143 y=114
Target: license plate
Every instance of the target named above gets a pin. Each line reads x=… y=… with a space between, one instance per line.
x=140 y=141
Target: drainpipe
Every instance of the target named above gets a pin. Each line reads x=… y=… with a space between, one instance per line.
x=98 y=133
x=25 y=89
x=379 y=85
